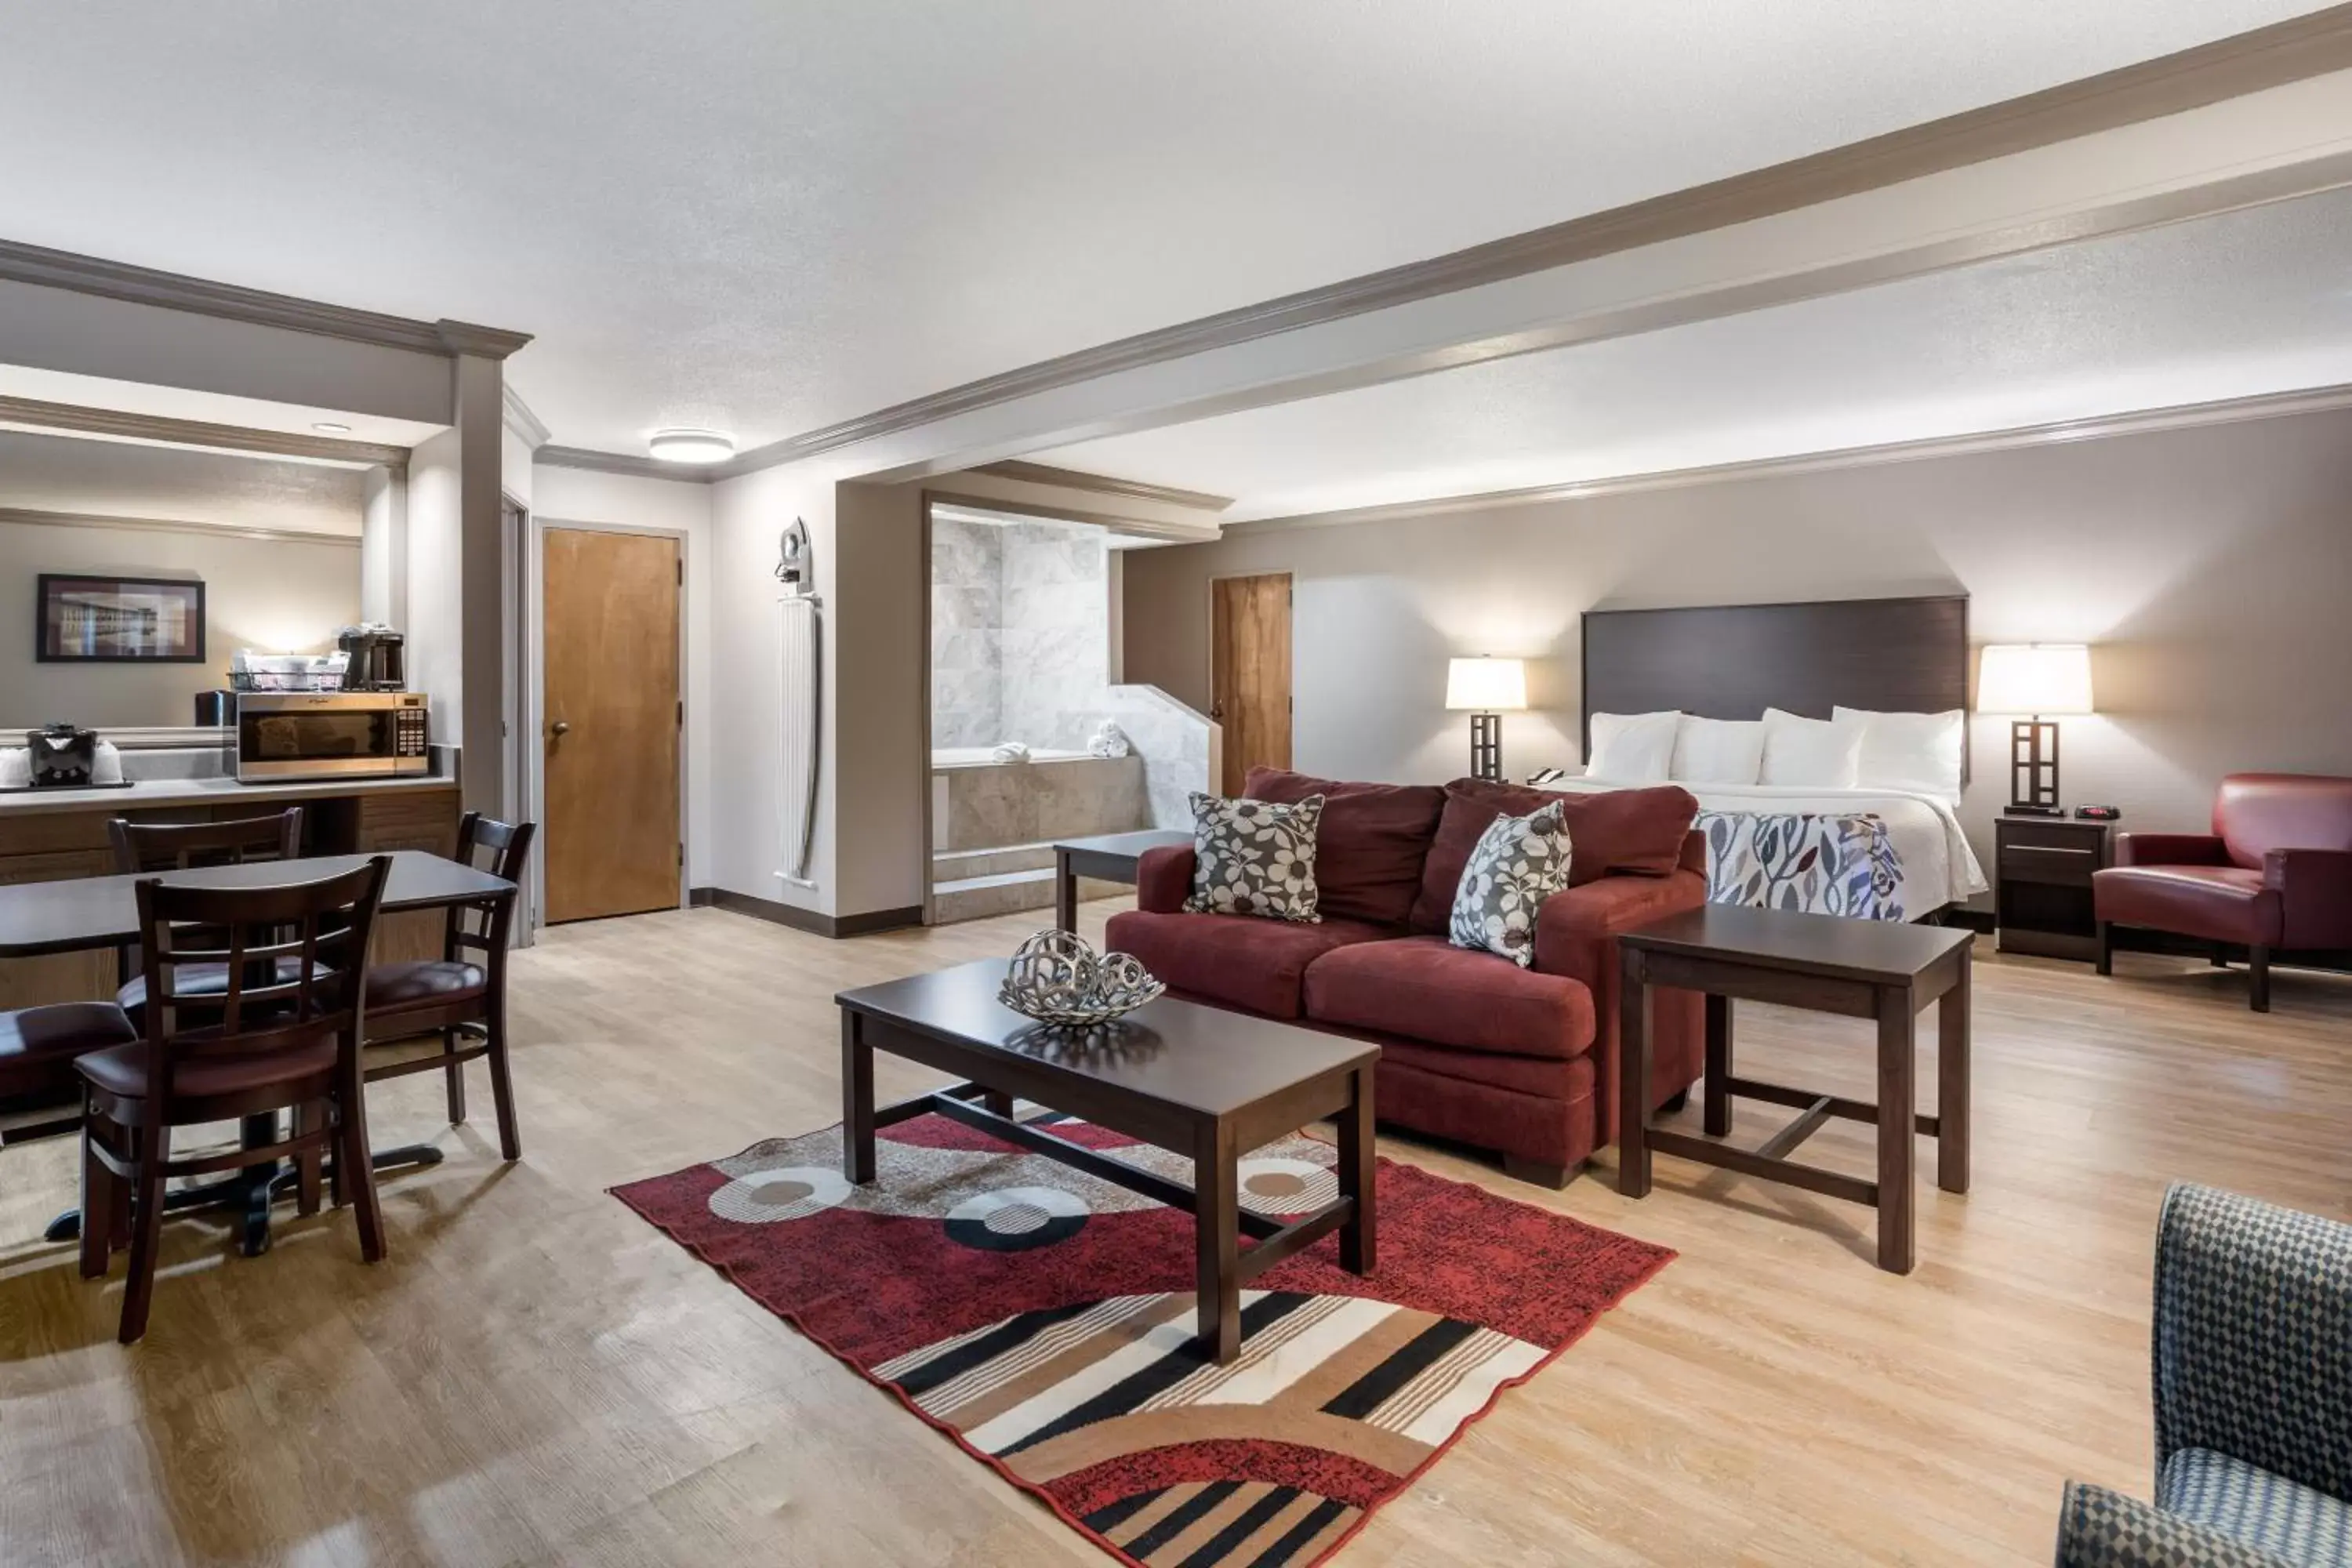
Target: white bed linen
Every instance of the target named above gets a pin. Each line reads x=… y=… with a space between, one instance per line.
x=1938 y=866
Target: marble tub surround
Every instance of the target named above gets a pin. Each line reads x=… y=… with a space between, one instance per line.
x=1178 y=748
x=995 y=806
x=1020 y=633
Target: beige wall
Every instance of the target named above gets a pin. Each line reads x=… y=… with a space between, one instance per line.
x=277 y=595
x=2212 y=568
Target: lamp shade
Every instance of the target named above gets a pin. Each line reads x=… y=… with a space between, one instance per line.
x=2034 y=678
x=1487 y=685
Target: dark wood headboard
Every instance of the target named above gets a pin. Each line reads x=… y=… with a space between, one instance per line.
x=1733 y=661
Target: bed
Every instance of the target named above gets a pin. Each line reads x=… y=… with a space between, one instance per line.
x=1871 y=852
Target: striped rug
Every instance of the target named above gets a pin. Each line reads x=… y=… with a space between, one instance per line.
x=1043 y=1319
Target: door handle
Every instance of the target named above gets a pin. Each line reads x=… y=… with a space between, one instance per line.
x=559 y=730
x=1217 y=712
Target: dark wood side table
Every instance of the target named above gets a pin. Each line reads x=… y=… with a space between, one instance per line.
x=2042 y=869
x=1861 y=969
x=1193 y=1079
x=1110 y=858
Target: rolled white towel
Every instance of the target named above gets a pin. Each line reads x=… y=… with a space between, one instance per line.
x=1011 y=752
x=1110 y=740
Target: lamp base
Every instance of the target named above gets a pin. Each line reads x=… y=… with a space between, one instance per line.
x=1487 y=747
x=2033 y=768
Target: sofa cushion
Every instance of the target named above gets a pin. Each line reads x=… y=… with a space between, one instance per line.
x=1234 y=961
x=2219 y=903
x=1636 y=831
x=1255 y=858
x=1425 y=988
x=1372 y=843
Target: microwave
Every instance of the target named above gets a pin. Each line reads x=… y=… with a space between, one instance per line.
x=283 y=735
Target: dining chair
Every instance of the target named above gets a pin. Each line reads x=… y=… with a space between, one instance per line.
x=282 y=1034
x=40 y=1095
x=179 y=846
x=462 y=994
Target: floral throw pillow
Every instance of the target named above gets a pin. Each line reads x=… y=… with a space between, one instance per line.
x=1255 y=858
x=1519 y=862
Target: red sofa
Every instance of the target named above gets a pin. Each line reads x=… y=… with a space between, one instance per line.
x=2273 y=877
x=1473 y=1049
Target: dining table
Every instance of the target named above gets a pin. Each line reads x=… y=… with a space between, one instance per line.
x=93 y=913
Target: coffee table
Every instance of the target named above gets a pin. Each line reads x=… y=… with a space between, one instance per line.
x=1106 y=857
x=1188 y=1079
x=1862 y=969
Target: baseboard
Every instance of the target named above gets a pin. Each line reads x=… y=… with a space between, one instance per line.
x=810 y=921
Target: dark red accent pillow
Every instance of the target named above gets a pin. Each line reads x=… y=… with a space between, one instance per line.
x=1634 y=831
x=1369 y=849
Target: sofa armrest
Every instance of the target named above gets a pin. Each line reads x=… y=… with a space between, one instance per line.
x=1163 y=879
x=2170 y=850
x=2253 y=1310
x=2103 y=1529
x=1576 y=929
x=2315 y=889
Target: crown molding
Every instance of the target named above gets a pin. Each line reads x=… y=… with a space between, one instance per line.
x=1103 y=484
x=520 y=419
x=2293 y=50
x=629 y=463
x=21 y=263
x=198 y=433
x=2178 y=417
x=1202 y=533
x=36 y=518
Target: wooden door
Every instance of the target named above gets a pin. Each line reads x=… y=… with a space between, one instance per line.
x=611 y=721
x=1250 y=674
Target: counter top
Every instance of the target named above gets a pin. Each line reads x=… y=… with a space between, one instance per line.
x=149 y=794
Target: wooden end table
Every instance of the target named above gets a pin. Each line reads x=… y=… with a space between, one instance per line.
x=1109 y=858
x=1861 y=969
x=1193 y=1079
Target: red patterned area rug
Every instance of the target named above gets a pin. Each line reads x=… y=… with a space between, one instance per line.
x=1043 y=1319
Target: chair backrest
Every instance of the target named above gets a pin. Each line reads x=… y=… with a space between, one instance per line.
x=503 y=850
x=296 y=954
x=177 y=845
x=2254 y=813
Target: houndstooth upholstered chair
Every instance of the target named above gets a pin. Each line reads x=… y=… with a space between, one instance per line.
x=2253 y=1398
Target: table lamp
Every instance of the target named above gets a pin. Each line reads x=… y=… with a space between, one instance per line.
x=2037 y=679
x=1486 y=686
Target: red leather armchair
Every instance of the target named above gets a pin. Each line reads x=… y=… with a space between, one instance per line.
x=2274 y=877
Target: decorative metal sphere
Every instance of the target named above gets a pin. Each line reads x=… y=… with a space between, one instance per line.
x=1056 y=977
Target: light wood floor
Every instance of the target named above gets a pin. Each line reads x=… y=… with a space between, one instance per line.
x=535 y=1376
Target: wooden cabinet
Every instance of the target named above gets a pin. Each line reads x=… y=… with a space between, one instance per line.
x=61 y=846
x=2042 y=885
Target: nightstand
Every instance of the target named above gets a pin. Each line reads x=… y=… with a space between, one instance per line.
x=2042 y=885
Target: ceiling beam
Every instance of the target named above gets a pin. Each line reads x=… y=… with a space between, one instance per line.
x=160 y=429
x=174 y=290
x=1129 y=385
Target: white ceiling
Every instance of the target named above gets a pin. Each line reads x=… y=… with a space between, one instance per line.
x=2249 y=302
x=45 y=473
x=211 y=407
x=767 y=218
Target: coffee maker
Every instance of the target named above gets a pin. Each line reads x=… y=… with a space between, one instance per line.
x=378 y=659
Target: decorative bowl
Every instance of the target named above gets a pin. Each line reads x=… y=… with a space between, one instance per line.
x=1056 y=977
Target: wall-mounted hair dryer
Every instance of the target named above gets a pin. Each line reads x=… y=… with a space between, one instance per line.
x=795 y=565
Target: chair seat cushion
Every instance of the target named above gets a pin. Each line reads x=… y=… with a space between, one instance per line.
x=121 y=1071
x=2219 y=903
x=1235 y=960
x=2251 y=1505
x=38 y=1045
x=1425 y=988
x=427 y=984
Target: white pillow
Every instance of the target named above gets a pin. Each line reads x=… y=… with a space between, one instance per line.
x=1812 y=751
x=1718 y=751
x=1633 y=748
x=1909 y=751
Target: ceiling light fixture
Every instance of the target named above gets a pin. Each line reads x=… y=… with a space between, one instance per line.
x=692 y=446
x=330 y=427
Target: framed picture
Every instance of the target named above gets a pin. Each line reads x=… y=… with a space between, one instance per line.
x=145 y=620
